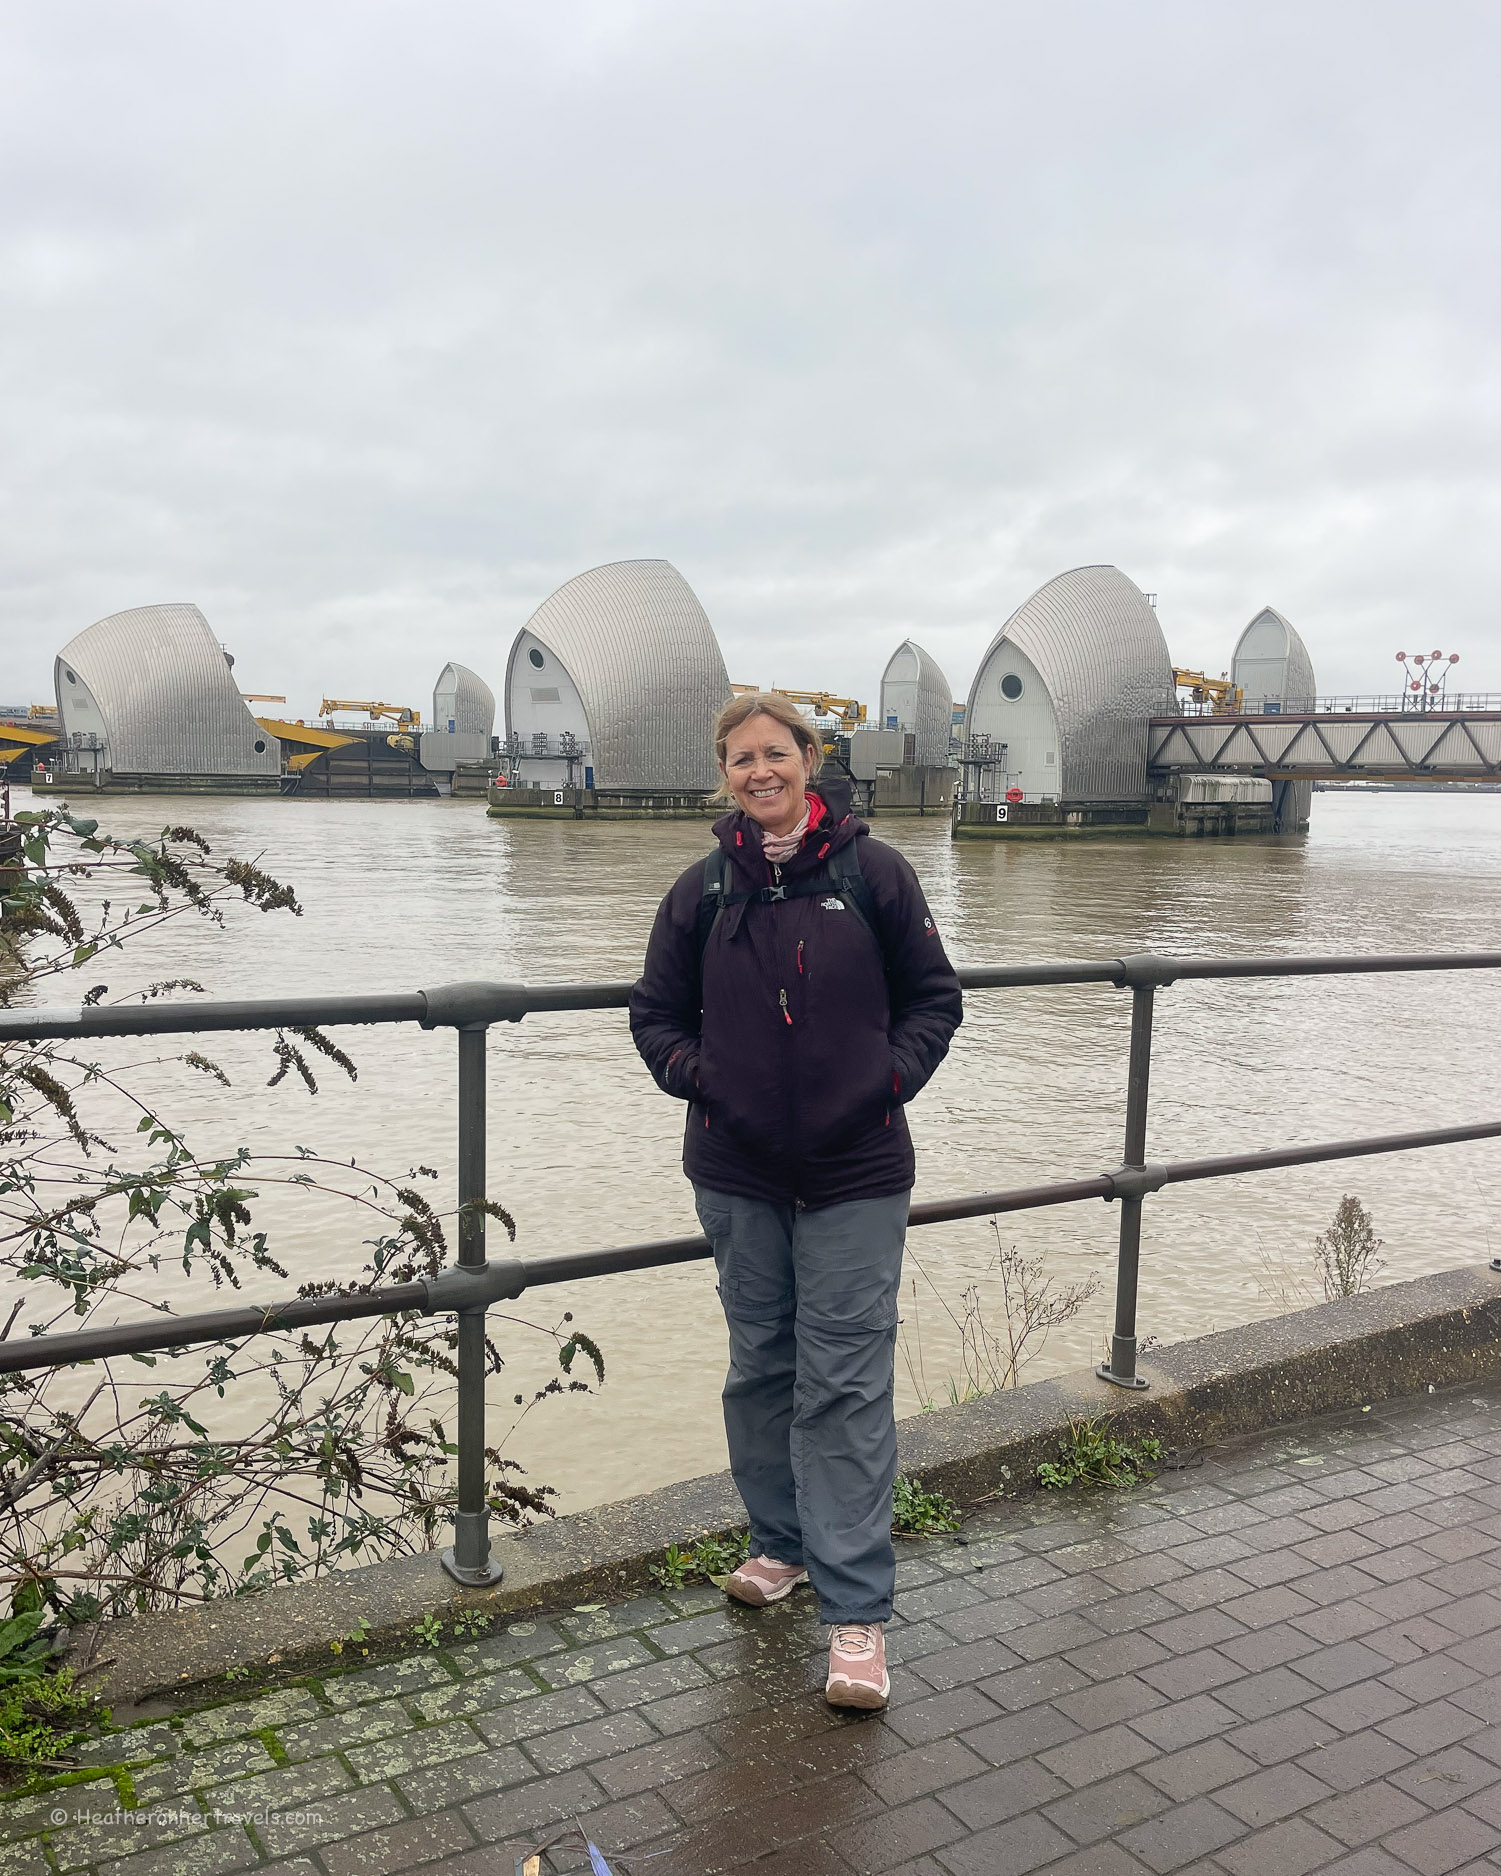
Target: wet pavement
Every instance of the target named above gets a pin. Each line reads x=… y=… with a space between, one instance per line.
x=1285 y=1658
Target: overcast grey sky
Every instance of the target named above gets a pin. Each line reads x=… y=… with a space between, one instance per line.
x=364 y=325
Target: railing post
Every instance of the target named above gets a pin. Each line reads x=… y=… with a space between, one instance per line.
x=469 y=1561
x=1121 y=1367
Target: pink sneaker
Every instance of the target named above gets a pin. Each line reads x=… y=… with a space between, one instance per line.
x=857 y=1666
x=762 y=1580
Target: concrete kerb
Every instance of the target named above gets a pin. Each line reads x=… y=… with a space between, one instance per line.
x=1428 y=1332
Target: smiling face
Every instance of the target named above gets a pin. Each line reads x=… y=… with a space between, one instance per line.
x=767 y=771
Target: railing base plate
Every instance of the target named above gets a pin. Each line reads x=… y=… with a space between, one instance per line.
x=1496 y=1263
x=1121 y=1380
x=488 y=1574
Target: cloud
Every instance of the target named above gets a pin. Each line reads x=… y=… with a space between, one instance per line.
x=364 y=326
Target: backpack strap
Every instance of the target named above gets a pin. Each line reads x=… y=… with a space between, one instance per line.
x=714 y=897
x=844 y=874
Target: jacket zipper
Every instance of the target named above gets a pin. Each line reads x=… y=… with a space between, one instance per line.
x=776 y=880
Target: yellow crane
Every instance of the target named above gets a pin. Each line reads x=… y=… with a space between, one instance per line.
x=1225 y=697
x=846 y=709
x=261 y=696
x=401 y=712
x=318 y=740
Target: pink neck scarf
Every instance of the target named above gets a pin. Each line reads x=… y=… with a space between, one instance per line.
x=779 y=848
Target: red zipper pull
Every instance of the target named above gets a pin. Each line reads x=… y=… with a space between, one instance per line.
x=786 y=1013
x=799 y=957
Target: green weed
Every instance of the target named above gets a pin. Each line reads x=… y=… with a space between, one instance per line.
x=41 y=1714
x=918 y=1513
x=40 y=1718
x=356 y=1638
x=710 y=1557
x=429 y=1630
x=1092 y=1455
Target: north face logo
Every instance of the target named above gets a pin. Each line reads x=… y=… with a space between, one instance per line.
x=832 y=905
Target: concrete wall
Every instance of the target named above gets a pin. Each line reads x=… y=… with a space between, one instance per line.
x=600 y=804
x=106 y=782
x=1051 y=820
x=914 y=791
x=1399 y=1340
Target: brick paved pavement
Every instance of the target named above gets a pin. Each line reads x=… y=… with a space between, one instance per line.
x=1286 y=1660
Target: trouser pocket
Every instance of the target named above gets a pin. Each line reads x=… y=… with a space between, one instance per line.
x=752 y=1242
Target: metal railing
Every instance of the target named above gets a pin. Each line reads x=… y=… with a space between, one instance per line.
x=1389 y=704
x=468 y=1287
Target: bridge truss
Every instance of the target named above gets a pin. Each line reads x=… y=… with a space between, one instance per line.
x=1379 y=745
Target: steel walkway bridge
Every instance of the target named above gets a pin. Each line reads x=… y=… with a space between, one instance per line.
x=1329 y=742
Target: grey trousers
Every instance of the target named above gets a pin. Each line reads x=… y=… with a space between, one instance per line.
x=810 y=1298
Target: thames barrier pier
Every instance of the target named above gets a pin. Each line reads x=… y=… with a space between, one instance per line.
x=1076 y=724
x=1056 y=733
x=611 y=691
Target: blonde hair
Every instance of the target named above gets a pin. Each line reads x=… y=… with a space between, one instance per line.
x=761 y=703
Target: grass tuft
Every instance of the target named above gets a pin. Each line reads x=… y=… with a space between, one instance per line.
x=1092 y=1455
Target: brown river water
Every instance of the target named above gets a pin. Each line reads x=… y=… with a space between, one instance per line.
x=585 y=1152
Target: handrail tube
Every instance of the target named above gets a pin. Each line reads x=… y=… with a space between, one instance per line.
x=1020 y=1199
x=1226 y=1165
x=564 y=1266
x=1036 y=976
x=51 y=1351
x=215 y=1325
x=67 y=1021
x=570 y=1266
x=550 y=998
x=1356 y=966
x=225 y=1325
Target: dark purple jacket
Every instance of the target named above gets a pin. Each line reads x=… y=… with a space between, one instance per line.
x=802 y=1045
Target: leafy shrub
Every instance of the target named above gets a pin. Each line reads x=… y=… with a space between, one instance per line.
x=127 y=1485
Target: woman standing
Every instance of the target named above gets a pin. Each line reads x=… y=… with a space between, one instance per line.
x=796 y=994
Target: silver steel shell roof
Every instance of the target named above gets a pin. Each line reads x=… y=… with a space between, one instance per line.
x=647 y=667
x=155 y=687
x=473 y=701
x=1298 y=684
x=1099 y=649
x=933 y=714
